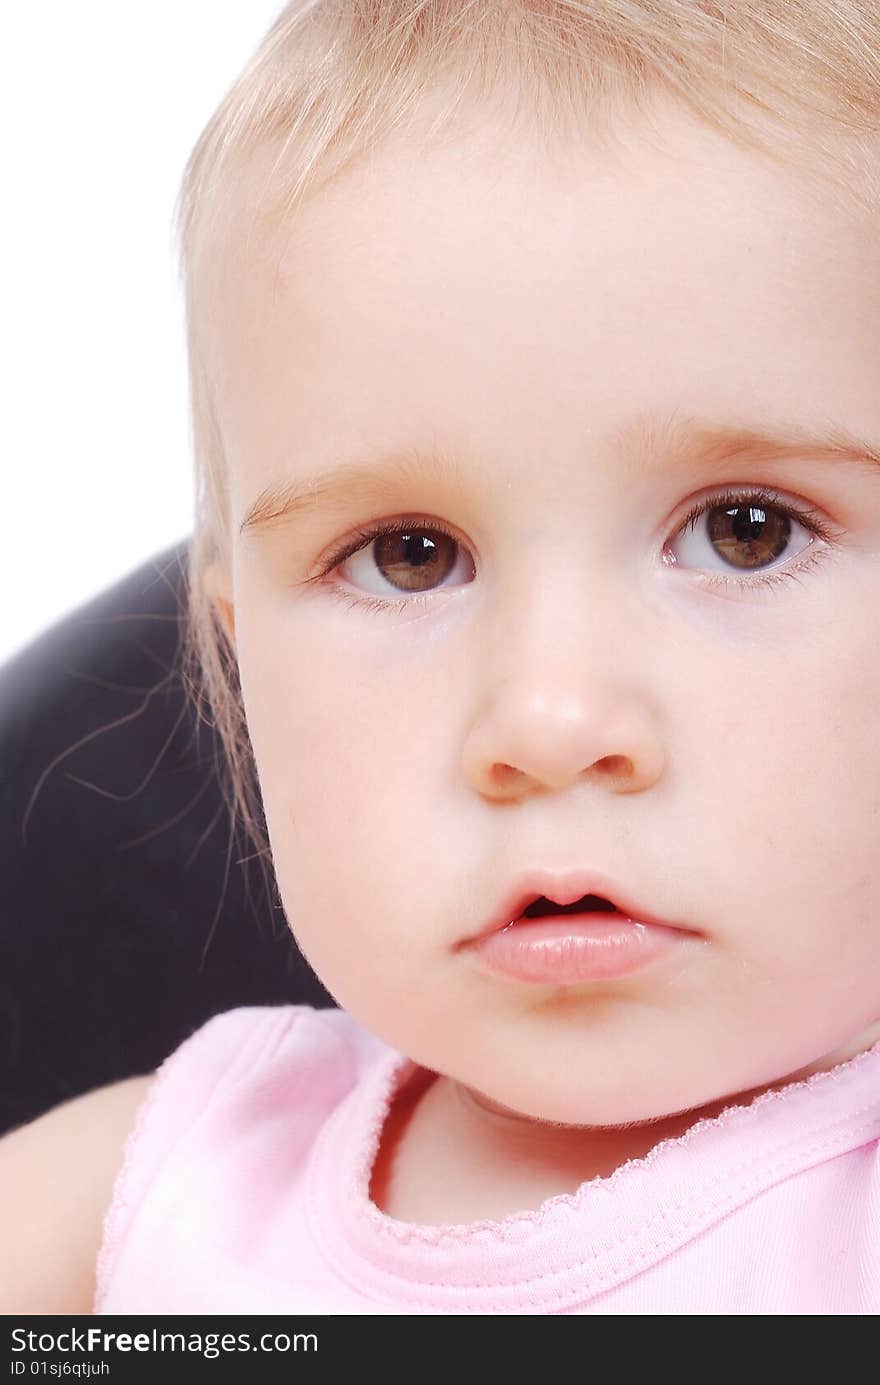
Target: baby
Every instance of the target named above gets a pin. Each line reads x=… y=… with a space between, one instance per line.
x=535 y=368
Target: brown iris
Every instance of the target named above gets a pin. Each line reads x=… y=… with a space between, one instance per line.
x=749 y=536
x=415 y=560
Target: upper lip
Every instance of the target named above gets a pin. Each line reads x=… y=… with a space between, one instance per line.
x=564 y=887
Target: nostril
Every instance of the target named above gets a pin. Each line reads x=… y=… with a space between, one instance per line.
x=504 y=777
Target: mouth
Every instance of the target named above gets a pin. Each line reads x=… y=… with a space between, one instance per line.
x=566 y=933
x=542 y=894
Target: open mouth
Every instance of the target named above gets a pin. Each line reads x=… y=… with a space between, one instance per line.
x=542 y=942
x=587 y=904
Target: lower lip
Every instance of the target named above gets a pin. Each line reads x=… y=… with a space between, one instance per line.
x=567 y=948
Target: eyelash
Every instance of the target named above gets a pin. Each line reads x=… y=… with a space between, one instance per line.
x=758 y=497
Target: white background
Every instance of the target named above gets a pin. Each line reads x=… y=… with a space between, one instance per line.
x=100 y=105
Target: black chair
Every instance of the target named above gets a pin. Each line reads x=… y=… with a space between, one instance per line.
x=127 y=918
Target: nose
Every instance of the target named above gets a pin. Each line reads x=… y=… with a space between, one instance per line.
x=537 y=733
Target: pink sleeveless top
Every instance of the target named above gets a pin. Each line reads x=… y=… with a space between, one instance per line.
x=244 y=1189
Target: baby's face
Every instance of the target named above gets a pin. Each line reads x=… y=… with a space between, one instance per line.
x=553 y=672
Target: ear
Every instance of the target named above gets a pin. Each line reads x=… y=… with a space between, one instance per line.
x=218 y=585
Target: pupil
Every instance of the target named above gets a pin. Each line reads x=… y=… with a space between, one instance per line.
x=748 y=529
x=415 y=553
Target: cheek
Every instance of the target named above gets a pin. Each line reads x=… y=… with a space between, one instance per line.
x=334 y=735
x=347 y=766
x=784 y=794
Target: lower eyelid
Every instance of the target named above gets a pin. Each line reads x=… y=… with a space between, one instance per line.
x=770 y=577
x=368 y=602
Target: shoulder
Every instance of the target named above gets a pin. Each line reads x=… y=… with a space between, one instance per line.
x=71 y=1181
x=249 y=1051
x=56 y=1180
x=243 y=1067
x=246 y=1093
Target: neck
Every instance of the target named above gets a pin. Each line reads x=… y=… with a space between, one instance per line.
x=450 y=1155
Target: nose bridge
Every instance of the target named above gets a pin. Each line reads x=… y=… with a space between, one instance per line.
x=560 y=616
x=564 y=688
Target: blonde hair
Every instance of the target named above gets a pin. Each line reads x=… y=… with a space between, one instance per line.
x=332 y=78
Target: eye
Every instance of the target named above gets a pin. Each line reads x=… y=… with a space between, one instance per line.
x=405 y=557
x=743 y=532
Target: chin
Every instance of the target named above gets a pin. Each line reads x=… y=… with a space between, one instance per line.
x=594 y=1104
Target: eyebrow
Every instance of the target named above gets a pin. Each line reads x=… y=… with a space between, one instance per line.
x=350 y=484
x=684 y=443
x=692 y=442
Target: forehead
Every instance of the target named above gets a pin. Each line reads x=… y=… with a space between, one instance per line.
x=487 y=294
